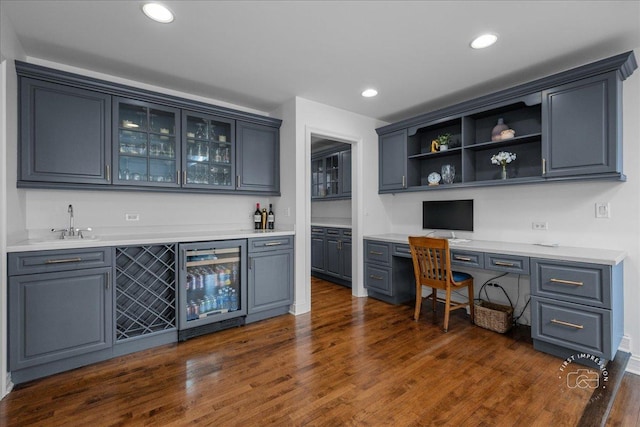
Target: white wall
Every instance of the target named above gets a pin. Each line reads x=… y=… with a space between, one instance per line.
x=506 y=213
x=11 y=200
x=336 y=210
x=314 y=118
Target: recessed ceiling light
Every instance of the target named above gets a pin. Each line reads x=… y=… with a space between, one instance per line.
x=158 y=12
x=368 y=93
x=485 y=40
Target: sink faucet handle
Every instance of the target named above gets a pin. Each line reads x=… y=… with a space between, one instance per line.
x=80 y=230
x=63 y=232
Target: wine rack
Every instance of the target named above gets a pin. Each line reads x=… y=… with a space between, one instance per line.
x=145 y=290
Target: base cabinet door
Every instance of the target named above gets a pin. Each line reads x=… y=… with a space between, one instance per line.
x=317 y=254
x=55 y=316
x=270 y=277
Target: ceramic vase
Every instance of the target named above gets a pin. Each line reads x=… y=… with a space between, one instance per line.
x=495 y=133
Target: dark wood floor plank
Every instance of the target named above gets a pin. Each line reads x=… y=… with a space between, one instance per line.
x=350 y=361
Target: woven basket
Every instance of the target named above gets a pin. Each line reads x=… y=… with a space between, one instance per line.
x=495 y=317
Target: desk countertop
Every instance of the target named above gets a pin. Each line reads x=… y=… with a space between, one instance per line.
x=565 y=253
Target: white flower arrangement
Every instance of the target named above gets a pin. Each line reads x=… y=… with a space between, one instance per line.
x=502 y=158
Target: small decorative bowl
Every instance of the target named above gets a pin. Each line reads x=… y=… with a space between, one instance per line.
x=507 y=134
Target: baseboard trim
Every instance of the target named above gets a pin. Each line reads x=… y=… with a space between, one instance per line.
x=634 y=365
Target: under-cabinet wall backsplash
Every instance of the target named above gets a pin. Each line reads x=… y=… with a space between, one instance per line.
x=161 y=212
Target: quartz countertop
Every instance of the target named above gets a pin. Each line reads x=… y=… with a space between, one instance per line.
x=142 y=239
x=565 y=253
x=331 y=222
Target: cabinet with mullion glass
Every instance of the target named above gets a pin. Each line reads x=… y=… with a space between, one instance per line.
x=209 y=151
x=147 y=147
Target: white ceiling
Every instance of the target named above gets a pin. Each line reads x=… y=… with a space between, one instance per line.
x=259 y=54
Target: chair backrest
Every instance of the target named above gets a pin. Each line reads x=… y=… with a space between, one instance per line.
x=431 y=261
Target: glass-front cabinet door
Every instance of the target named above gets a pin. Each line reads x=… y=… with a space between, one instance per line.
x=317 y=178
x=333 y=174
x=209 y=151
x=146 y=148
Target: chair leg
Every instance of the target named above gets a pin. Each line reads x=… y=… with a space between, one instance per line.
x=447 y=308
x=434 y=299
x=471 y=304
x=416 y=314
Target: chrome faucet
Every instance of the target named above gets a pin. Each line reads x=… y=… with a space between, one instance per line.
x=71 y=231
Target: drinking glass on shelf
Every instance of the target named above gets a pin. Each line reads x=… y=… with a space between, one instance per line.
x=448 y=174
x=201 y=132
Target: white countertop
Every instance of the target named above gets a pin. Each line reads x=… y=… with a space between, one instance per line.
x=142 y=239
x=565 y=253
x=331 y=222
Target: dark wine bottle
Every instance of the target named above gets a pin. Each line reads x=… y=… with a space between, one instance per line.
x=263 y=219
x=257 y=217
x=271 y=218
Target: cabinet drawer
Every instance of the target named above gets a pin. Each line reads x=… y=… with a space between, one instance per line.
x=270 y=244
x=378 y=252
x=401 y=250
x=576 y=282
x=346 y=233
x=572 y=326
x=62 y=260
x=509 y=263
x=378 y=279
x=467 y=258
x=317 y=231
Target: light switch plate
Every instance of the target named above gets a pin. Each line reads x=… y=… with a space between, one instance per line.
x=132 y=217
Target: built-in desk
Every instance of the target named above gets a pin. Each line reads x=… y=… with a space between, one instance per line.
x=576 y=293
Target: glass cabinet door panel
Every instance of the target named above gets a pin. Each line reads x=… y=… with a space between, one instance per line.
x=332 y=174
x=133 y=117
x=147 y=145
x=209 y=151
x=213 y=282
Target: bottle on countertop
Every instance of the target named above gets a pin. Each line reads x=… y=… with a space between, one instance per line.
x=263 y=219
x=271 y=218
x=257 y=217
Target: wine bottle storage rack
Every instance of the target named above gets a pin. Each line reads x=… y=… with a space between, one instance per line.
x=145 y=290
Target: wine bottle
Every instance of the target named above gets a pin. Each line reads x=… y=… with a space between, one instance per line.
x=271 y=218
x=257 y=217
x=263 y=219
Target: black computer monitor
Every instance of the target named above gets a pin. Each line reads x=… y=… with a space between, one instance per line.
x=447 y=215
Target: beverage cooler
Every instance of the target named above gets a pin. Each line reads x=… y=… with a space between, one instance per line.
x=213 y=287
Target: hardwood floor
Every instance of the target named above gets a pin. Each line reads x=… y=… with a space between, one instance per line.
x=351 y=361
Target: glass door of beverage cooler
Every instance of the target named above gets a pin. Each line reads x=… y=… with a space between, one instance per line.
x=213 y=285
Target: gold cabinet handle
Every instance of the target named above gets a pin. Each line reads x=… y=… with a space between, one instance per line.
x=375 y=253
x=544 y=166
x=566 y=282
x=184 y=177
x=375 y=277
x=571 y=325
x=237 y=181
x=404 y=181
x=316 y=230
x=108 y=168
x=178 y=177
x=462 y=258
x=504 y=264
x=62 y=261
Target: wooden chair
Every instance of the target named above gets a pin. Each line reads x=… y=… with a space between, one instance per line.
x=432 y=267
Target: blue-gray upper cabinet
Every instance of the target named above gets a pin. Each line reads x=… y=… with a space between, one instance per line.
x=392 y=161
x=581 y=127
x=258 y=160
x=146 y=147
x=345 y=172
x=65 y=134
x=209 y=151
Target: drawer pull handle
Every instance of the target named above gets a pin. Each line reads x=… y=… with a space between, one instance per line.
x=375 y=253
x=375 y=277
x=273 y=244
x=571 y=325
x=316 y=230
x=62 y=261
x=462 y=258
x=504 y=264
x=567 y=282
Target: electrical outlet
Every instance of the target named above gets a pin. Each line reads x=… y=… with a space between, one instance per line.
x=540 y=225
x=603 y=210
x=132 y=217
